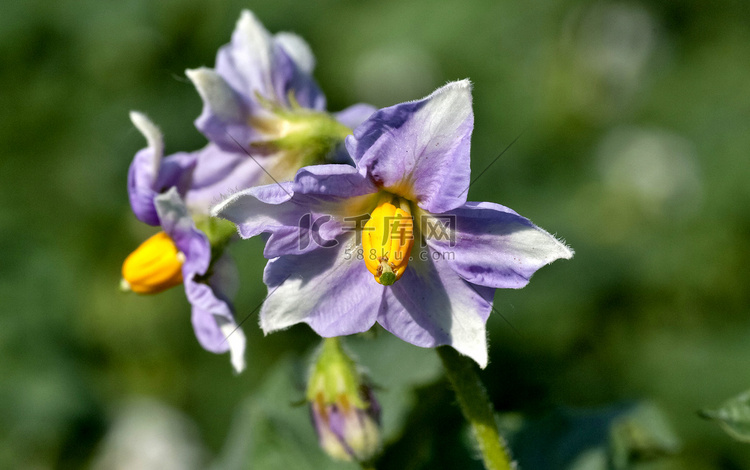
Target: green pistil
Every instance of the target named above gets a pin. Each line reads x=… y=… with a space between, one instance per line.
x=387 y=276
x=387 y=279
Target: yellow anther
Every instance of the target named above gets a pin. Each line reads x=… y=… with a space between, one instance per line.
x=387 y=239
x=153 y=267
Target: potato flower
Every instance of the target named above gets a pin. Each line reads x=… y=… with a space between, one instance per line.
x=393 y=240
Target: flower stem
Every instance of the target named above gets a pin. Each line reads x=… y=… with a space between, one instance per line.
x=476 y=408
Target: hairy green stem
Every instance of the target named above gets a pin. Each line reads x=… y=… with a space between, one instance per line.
x=476 y=408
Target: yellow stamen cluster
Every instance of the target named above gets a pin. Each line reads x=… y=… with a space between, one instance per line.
x=153 y=267
x=387 y=239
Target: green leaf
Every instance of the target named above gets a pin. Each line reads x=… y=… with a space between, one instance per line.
x=733 y=416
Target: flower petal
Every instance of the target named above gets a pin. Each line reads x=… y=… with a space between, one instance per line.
x=214 y=324
x=246 y=62
x=212 y=316
x=289 y=79
x=432 y=306
x=224 y=119
x=225 y=103
x=177 y=223
x=303 y=215
x=154 y=140
x=255 y=62
x=329 y=288
x=149 y=174
x=140 y=188
x=236 y=339
x=263 y=209
x=420 y=149
x=144 y=169
x=336 y=181
x=297 y=49
x=355 y=115
x=218 y=173
x=493 y=246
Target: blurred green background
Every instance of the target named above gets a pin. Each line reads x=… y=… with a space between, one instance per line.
x=633 y=121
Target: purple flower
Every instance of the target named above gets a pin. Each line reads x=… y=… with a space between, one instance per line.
x=397 y=242
x=182 y=253
x=262 y=95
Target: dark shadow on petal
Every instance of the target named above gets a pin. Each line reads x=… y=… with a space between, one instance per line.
x=317 y=265
x=426 y=299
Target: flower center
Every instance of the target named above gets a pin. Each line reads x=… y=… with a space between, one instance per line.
x=153 y=267
x=306 y=135
x=387 y=239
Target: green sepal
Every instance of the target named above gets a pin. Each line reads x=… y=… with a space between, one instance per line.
x=307 y=134
x=219 y=231
x=334 y=374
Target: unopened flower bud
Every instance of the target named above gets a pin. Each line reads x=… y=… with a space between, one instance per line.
x=343 y=408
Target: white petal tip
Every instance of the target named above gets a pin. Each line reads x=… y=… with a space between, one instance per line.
x=247 y=16
x=564 y=251
x=298 y=49
x=137 y=117
x=202 y=78
x=149 y=130
x=250 y=25
x=217 y=209
x=472 y=342
x=216 y=93
x=199 y=75
x=480 y=357
x=220 y=209
x=455 y=86
x=238 y=364
x=465 y=83
x=236 y=339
